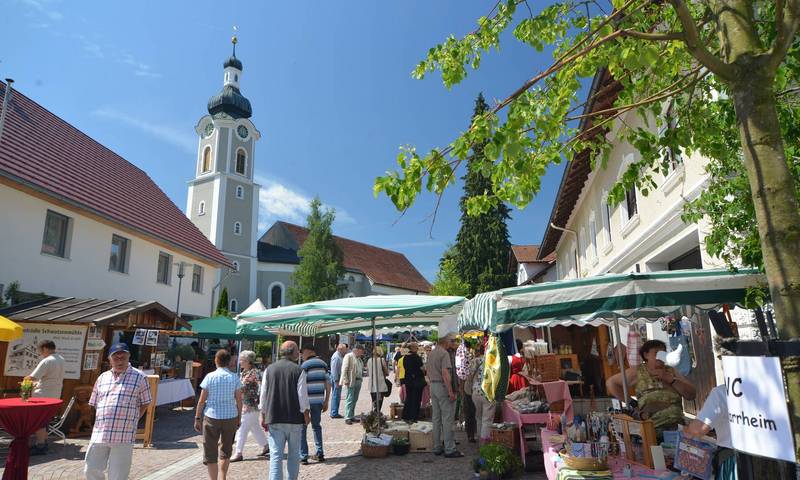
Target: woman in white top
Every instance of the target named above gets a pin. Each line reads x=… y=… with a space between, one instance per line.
x=377 y=371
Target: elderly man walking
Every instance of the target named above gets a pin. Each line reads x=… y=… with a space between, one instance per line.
x=285 y=408
x=443 y=398
x=352 y=373
x=218 y=415
x=319 y=391
x=336 y=374
x=120 y=397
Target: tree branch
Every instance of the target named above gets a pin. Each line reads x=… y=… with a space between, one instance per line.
x=787 y=19
x=656 y=37
x=695 y=45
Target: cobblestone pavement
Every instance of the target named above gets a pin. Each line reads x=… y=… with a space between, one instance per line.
x=176 y=454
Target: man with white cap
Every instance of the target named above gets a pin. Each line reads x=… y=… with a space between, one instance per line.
x=120 y=398
x=443 y=398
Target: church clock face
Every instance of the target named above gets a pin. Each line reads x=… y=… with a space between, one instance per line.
x=242 y=131
x=209 y=129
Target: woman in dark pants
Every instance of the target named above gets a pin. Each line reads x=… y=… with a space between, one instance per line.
x=414 y=382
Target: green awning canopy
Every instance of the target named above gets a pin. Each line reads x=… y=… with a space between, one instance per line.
x=598 y=300
x=353 y=314
x=225 y=328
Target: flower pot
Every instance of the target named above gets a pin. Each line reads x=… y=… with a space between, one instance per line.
x=401 y=449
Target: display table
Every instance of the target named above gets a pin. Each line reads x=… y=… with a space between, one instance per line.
x=173 y=390
x=554 y=392
x=21 y=419
x=553 y=464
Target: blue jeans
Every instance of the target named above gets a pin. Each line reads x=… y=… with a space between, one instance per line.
x=336 y=397
x=316 y=427
x=279 y=435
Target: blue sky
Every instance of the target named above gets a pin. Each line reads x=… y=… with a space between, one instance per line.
x=329 y=83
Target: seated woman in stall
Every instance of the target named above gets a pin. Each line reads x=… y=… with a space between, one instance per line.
x=659 y=389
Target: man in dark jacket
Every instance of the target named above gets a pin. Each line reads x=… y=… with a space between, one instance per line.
x=285 y=408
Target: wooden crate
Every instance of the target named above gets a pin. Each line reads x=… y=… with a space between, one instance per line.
x=643 y=429
x=396 y=411
x=507 y=437
x=548 y=367
x=420 y=442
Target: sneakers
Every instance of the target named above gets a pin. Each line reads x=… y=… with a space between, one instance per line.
x=337 y=416
x=454 y=454
x=237 y=458
x=303 y=461
x=348 y=421
x=318 y=458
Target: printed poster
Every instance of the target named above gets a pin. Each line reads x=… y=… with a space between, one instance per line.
x=22 y=356
x=152 y=338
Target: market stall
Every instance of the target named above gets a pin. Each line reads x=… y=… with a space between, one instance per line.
x=619 y=445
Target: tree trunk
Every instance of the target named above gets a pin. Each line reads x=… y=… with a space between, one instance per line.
x=774 y=195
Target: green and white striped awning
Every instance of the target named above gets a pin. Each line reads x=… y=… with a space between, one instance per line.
x=353 y=314
x=598 y=300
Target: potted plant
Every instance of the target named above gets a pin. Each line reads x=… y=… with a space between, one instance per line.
x=25 y=389
x=496 y=461
x=373 y=423
x=400 y=446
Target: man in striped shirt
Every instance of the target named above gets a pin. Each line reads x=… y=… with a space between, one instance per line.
x=319 y=391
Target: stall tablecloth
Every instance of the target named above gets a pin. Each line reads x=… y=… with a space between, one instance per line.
x=21 y=420
x=556 y=391
x=174 y=390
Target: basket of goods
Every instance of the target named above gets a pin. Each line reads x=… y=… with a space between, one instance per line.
x=400 y=446
x=397 y=430
x=584 y=463
x=375 y=447
x=504 y=434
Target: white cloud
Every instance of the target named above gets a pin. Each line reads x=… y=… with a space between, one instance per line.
x=278 y=201
x=164 y=133
x=44 y=8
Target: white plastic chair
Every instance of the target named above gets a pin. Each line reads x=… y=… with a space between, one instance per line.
x=54 y=427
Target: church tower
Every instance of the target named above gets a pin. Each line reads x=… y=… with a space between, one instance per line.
x=223 y=199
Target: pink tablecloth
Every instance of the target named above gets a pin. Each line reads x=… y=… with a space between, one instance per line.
x=552 y=462
x=555 y=391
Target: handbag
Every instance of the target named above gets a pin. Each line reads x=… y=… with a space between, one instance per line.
x=388 y=387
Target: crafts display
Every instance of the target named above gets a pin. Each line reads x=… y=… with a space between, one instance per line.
x=694 y=457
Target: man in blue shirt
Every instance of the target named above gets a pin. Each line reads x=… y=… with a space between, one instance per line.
x=319 y=390
x=336 y=373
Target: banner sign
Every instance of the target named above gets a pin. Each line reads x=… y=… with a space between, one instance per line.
x=757 y=409
x=22 y=355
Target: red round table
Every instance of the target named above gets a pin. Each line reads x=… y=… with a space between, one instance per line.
x=21 y=420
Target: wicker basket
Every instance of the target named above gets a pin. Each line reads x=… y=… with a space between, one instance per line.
x=396 y=411
x=507 y=437
x=420 y=442
x=584 y=463
x=548 y=367
x=374 y=451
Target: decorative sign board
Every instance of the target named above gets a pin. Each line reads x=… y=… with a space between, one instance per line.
x=22 y=355
x=93 y=344
x=757 y=409
x=138 y=336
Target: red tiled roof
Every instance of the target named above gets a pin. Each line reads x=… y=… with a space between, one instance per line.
x=383 y=266
x=42 y=151
x=526 y=253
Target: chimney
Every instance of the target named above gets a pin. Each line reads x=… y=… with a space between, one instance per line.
x=6 y=101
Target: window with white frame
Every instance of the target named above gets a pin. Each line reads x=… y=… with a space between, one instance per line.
x=576 y=264
x=582 y=250
x=237 y=228
x=197 y=279
x=630 y=208
x=234 y=305
x=606 y=213
x=56 y=234
x=276 y=295
x=239 y=192
x=241 y=162
x=118 y=260
x=164 y=271
x=201 y=208
x=592 y=238
x=205 y=166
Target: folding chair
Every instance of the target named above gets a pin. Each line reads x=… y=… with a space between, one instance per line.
x=54 y=427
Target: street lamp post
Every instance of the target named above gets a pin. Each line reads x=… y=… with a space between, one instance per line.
x=181 y=274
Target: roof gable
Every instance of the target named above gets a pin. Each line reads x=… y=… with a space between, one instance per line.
x=41 y=151
x=384 y=267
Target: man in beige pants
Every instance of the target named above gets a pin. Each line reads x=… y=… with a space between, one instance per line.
x=443 y=398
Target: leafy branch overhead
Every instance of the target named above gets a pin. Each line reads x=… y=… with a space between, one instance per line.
x=677 y=79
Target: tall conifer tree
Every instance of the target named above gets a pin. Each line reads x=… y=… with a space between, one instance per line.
x=482 y=246
x=321 y=268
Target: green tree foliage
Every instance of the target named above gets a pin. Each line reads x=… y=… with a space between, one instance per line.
x=222 y=304
x=447 y=281
x=321 y=268
x=482 y=246
x=719 y=78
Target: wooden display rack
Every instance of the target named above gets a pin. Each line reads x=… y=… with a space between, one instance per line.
x=645 y=430
x=146 y=434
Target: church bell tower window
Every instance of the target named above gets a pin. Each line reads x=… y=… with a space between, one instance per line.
x=206 y=164
x=241 y=162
